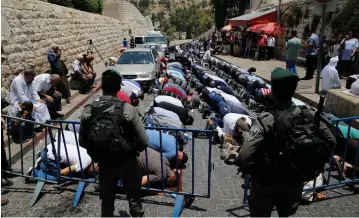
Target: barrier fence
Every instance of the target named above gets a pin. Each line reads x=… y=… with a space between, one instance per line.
x=328 y=185
x=51 y=171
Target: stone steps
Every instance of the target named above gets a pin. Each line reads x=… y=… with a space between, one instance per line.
x=76 y=101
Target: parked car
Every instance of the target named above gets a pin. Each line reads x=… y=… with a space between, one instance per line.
x=157 y=39
x=158 y=49
x=139 y=64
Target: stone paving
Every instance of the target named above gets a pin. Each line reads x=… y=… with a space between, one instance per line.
x=226 y=192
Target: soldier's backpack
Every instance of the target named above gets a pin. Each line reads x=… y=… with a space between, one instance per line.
x=106 y=132
x=300 y=151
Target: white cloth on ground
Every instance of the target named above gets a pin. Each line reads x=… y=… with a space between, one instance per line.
x=229 y=122
x=330 y=76
x=20 y=92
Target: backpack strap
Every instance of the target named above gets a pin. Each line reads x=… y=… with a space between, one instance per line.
x=98 y=107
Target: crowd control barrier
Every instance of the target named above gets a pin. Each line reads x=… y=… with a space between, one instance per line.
x=20 y=131
x=84 y=177
x=329 y=184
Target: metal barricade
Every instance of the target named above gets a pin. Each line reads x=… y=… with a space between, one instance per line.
x=329 y=185
x=18 y=126
x=183 y=198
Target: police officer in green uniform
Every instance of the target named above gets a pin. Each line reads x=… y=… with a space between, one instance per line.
x=269 y=187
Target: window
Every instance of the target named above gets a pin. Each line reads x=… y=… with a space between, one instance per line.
x=156 y=39
x=139 y=40
x=136 y=57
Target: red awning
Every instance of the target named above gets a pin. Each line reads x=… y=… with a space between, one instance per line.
x=256 y=17
x=227 y=28
x=268 y=28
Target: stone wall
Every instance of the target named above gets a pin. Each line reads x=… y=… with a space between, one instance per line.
x=34 y=25
x=314 y=10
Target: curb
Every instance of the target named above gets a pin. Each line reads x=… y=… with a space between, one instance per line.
x=31 y=144
x=296 y=95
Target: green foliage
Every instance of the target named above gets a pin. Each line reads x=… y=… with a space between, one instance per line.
x=353 y=23
x=99 y=7
x=297 y=15
x=315 y=22
x=220 y=13
x=347 y=18
x=66 y=3
x=329 y=17
x=93 y=6
x=153 y=17
x=191 y=19
x=170 y=33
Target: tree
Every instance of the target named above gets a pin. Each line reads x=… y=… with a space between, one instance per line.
x=153 y=17
x=66 y=3
x=86 y=5
x=99 y=7
x=347 y=18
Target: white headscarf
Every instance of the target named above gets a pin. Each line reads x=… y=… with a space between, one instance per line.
x=330 y=77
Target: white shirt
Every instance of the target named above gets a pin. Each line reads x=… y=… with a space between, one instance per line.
x=76 y=66
x=271 y=41
x=41 y=83
x=166 y=113
x=132 y=85
x=20 y=91
x=207 y=55
x=128 y=89
x=230 y=98
x=229 y=122
x=168 y=99
x=335 y=51
x=330 y=77
x=72 y=152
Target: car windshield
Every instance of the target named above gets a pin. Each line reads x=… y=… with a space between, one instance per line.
x=156 y=39
x=136 y=57
x=138 y=40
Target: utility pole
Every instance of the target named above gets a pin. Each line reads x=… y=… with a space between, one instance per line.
x=321 y=44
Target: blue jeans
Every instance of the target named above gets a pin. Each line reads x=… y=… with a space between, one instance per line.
x=291 y=66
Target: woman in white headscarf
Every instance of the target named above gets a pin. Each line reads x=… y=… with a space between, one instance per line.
x=330 y=76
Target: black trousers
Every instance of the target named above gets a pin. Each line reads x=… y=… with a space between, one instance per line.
x=270 y=52
x=85 y=83
x=54 y=106
x=263 y=198
x=262 y=52
x=311 y=65
x=109 y=175
x=345 y=67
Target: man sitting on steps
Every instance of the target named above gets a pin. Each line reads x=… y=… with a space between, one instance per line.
x=44 y=85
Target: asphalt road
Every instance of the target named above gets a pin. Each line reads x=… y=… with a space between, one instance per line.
x=225 y=200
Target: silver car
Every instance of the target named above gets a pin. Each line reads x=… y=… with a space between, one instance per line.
x=139 y=64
